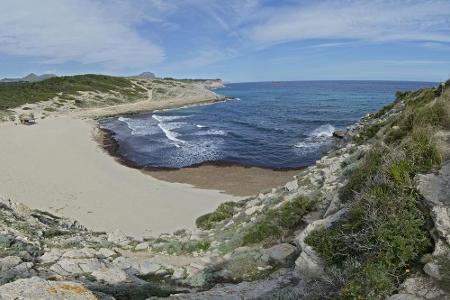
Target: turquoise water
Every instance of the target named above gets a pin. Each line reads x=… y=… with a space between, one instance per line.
x=271 y=125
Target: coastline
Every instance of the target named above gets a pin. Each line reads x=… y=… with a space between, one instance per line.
x=57 y=166
x=143 y=106
x=223 y=176
x=65 y=171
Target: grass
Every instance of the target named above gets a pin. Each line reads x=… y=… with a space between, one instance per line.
x=16 y=94
x=223 y=212
x=385 y=232
x=277 y=223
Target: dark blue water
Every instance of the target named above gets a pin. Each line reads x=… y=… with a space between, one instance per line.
x=273 y=125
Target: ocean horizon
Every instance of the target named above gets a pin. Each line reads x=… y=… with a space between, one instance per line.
x=275 y=124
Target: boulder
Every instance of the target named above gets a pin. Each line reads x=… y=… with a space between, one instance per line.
x=118 y=237
x=77 y=261
x=112 y=275
x=282 y=254
x=104 y=252
x=292 y=185
x=142 y=246
x=12 y=267
x=38 y=288
x=339 y=134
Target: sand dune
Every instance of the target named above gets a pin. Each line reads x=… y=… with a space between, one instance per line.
x=56 y=166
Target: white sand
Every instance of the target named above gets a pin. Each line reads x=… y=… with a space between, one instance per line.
x=57 y=166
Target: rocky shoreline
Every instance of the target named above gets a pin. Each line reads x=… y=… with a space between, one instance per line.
x=257 y=248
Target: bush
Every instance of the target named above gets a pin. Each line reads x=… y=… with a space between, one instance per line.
x=422 y=151
x=369 y=132
x=277 y=223
x=371 y=162
x=19 y=93
x=436 y=114
x=223 y=212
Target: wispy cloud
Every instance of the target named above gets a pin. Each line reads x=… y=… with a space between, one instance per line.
x=413 y=62
x=375 y=21
x=87 y=32
x=139 y=34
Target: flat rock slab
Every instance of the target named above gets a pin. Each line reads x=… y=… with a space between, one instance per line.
x=38 y=288
x=436 y=187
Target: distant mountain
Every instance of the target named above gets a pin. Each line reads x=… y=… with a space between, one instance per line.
x=29 y=78
x=145 y=75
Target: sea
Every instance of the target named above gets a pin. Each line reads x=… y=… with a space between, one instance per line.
x=276 y=125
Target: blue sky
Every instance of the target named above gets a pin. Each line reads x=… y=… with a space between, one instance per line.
x=237 y=40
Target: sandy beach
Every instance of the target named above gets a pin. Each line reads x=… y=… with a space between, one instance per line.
x=57 y=166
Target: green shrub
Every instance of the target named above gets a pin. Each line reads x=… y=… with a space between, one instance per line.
x=421 y=150
x=223 y=212
x=279 y=222
x=437 y=114
x=395 y=135
x=400 y=172
x=370 y=165
x=19 y=93
x=369 y=132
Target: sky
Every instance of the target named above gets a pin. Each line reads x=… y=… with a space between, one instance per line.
x=236 y=40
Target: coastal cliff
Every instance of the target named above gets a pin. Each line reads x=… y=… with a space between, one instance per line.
x=370 y=220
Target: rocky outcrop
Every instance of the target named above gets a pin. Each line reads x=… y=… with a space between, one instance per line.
x=38 y=288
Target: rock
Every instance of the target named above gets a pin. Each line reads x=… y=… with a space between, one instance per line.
x=252 y=210
x=52 y=256
x=432 y=269
x=147 y=267
x=292 y=185
x=422 y=287
x=112 y=275
x=12 y=267
x=404 y=297
x=106 y=252
x=118 y=237
x=142 y=246
x=436 y=187
x=309 y=263
x=282 y=253
x=9 y=262
x=77 y=261
x=178 y=274
x=38 y=288
x=339 y=134
x=441 y=217
x=137 y=266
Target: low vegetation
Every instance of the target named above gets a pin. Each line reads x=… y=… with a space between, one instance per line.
x=19 y=93
x=385 y=233
x=278 y=222
x=223 y=212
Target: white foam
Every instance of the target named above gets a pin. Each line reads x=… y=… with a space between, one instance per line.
x=167 y=118
x=323 y=131
x=168 y=127
x=201 y=126
x=138 y=126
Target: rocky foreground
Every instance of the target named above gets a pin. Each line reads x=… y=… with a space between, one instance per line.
x=370 y=220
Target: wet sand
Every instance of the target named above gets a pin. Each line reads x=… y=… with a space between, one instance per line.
x=232 y=179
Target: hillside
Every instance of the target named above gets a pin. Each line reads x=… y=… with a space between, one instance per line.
x=370 y=220
x=82 y=92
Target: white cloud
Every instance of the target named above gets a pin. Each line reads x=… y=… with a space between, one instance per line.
x=83 y=31
x=375 y=21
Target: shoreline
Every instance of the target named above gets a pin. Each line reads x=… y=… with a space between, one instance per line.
x=143 y=106
x=57 y=166
x=208 y=175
